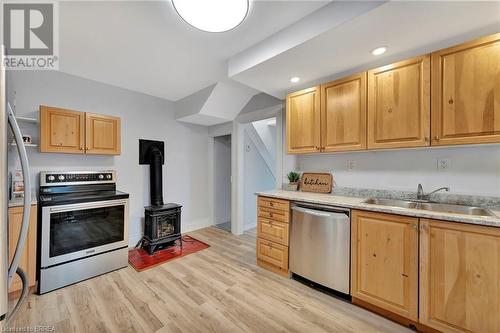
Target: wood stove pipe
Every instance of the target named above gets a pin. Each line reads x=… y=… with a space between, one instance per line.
x=156 y=176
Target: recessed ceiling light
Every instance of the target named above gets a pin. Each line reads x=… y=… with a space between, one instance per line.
x=295 y=79
x=212 y=15
x=379 y=51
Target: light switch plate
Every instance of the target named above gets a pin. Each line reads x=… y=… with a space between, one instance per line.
x=351 y=165
x=443 y=164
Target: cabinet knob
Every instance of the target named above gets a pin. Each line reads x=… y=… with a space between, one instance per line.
x=426 y=139
x=317 y=148
x=81 y=148
x=270 y=214
x=436 y=138
x=414 y=226
x=451 y=101
x=271 y=204
x=389 y=110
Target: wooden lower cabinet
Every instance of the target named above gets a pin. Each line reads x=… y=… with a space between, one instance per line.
x=384 y=262
x=28 y=259
x=274 y=231
x=273 y=218
x=272 y=254
x=459 y=277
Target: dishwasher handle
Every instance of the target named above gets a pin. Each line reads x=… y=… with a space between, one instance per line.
x=320 y=213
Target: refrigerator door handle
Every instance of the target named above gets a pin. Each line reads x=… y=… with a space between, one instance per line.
x=27 y=194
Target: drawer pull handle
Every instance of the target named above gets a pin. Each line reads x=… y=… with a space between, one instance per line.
x=270 y=214
x=271 y=204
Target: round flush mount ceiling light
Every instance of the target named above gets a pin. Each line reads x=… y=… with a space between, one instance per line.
x=379 y=50
x=212 y=15
x=295 y=79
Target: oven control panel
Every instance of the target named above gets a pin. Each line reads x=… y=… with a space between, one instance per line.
x=76 y=178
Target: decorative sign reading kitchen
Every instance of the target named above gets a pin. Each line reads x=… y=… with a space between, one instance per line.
x=316 y=182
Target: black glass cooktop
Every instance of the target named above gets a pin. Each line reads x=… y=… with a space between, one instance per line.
x=62 y=196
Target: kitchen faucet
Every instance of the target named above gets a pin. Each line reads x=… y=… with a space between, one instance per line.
x=422 y=196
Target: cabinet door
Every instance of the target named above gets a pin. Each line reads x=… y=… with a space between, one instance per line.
x=102 y=134
x=343 y=114
x=466 y=93
x=61 y=131
x=384 y=262
x=273 y=231
x=399 y=104
x=28 y=259
x=303 y=121
x=272 y=254
x=459 y=277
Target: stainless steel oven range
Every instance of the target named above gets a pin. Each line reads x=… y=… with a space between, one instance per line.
x=82 y=227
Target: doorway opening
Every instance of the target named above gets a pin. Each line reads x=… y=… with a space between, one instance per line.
x=259 y=163
x=222 y=182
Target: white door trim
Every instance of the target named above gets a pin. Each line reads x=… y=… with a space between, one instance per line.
x=220 y=131
x=237 y=191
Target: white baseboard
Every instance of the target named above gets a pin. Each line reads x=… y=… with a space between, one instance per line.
x=195 y=225
x=134 y=239
x=247 y=227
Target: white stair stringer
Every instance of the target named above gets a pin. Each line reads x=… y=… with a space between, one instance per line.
x=261 y=148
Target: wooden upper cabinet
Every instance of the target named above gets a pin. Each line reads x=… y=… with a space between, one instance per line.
x=303 y=121
x=343 y=114
x=102 y=134
x=399 y=104
x=384 y=262
x=459 y=277
x=67 y=131
x=466 y=93
x=61 y=131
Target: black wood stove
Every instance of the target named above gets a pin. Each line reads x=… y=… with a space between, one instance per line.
x=162 y=224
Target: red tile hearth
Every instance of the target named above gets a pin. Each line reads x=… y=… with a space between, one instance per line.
x=141 y=260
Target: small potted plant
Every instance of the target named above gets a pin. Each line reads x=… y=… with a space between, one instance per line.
x=293 y=178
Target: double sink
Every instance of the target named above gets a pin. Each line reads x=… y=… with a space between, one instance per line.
x=431 y=206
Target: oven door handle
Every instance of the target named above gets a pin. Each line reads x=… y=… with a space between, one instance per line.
x=89 y=205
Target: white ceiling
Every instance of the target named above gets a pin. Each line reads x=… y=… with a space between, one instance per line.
x=145 y=46
x=407 y=28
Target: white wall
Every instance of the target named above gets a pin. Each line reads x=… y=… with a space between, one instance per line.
x=267 y=133
x=185 y=172
x=222 y=179
x=474 y=170
x=257 y=177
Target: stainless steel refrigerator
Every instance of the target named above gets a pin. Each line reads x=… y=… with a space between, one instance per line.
x=8 y=269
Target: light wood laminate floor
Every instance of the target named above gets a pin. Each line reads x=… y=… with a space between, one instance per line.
x=219 y=289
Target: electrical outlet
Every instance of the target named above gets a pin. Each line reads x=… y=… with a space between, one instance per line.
x=351 y=165
x=443 y=164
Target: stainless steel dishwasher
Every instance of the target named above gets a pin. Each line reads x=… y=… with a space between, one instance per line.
x=320 y=245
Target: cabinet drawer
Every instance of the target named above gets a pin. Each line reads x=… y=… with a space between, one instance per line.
x=274 y=214
x=274 y=203
x=272 y=253
x=273 y=231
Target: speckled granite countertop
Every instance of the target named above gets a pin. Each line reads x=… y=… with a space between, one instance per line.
x=356 y=203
